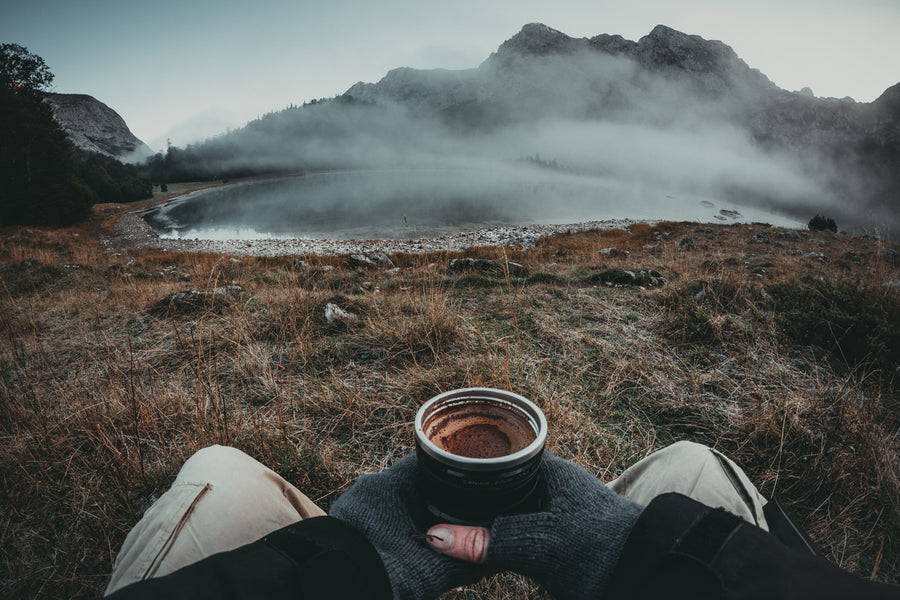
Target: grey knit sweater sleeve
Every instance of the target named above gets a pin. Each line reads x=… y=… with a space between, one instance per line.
x=388 y=509
x=572 y=548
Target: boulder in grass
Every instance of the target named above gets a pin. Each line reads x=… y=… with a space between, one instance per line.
x=372 y=261
x=190 y=300
x=359 y=260
x=336 y=314
x=381 y=259
x=615 y=277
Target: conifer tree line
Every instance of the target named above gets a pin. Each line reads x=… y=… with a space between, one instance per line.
x=44 y=178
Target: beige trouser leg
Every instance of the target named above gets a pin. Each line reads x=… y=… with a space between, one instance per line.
x=221 y=499
x=698 y=472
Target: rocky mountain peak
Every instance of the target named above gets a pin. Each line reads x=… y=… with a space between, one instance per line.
x=889 y=101
x=537 y=38
x=95 y=127
x=665 y=47
x=714 y=65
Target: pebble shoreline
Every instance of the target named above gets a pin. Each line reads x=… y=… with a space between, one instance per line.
x=133 y=232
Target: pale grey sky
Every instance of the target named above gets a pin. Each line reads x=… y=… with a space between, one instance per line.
x=188 y=69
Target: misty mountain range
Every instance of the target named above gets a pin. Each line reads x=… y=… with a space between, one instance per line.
x=669 y=116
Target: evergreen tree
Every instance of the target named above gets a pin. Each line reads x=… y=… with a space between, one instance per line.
x=38 y=183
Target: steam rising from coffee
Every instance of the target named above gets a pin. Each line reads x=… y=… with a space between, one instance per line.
x=648 y=145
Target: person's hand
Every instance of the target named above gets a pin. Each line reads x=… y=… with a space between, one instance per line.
x=388 y=508
x=570 y=549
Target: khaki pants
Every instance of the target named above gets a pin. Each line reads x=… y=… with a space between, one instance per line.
x=220 y=500
x=698 y=472
x=223 y=499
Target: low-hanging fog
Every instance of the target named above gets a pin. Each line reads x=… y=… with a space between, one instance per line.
x=554 y=138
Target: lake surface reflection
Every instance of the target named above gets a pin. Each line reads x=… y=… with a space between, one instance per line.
x=406 y=203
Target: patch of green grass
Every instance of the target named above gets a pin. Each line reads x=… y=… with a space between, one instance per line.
x=550 y=279
x=855 y=324
x=687 y=322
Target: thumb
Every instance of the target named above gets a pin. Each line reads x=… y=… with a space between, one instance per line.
x=459 y=541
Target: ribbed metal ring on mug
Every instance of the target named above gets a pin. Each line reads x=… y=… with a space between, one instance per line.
x=467 y=490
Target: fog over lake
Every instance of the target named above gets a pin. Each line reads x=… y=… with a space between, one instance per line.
x=411 y=203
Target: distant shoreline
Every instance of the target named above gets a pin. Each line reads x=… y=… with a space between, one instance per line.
x=131 y=231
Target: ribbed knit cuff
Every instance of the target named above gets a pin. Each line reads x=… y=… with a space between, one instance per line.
x=571 y=555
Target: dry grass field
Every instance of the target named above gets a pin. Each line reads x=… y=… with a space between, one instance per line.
x=108 y=381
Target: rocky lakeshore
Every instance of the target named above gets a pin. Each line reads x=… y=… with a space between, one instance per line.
x=133 y=232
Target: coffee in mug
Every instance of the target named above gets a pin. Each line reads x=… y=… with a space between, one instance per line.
x=479 y=453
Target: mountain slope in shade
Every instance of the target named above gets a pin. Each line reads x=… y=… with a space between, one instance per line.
x=93 y=126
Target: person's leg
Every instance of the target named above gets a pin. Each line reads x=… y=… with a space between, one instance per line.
x=698 y=472
x=220 y=500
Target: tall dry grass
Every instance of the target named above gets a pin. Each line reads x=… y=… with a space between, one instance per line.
x=107 y=385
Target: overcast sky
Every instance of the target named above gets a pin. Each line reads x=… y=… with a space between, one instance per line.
x=188 y=69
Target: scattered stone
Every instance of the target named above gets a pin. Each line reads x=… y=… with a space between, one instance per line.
x=368 y=286
x=333 y=313
x=818 y=256
x=761 y=238
x=301 y=264
x=893 y=285
x=614 y=252
x=235 y=261
x=791 y=235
